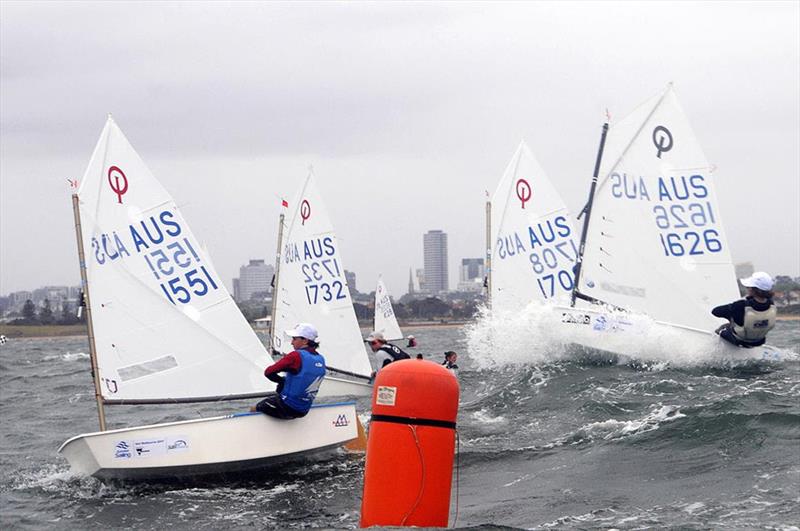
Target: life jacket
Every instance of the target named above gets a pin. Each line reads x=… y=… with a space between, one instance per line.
x=394 y=352
x=450 y=366
x=299 y=390
x=756 y=324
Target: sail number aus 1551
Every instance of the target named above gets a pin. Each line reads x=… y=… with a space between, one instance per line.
x=174 y=260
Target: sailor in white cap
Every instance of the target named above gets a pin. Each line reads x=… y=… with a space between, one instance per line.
x=751 y=318
x=304 y=368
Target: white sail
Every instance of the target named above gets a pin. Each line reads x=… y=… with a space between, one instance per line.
x=534 y=247
x=655 y=243
x=312 y=286
x=385 y=320
x=165 y=326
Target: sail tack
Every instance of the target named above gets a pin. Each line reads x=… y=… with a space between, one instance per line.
x=656 y=243
x=534 y=245
x=165 y=326
x=312 y=286
x=385 y=320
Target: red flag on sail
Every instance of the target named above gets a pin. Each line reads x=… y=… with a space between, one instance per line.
x=284 y=203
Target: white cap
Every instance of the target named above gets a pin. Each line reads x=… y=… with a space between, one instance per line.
x=375 y=336
x=411 y=337
x=304 y=330
x=759 y=280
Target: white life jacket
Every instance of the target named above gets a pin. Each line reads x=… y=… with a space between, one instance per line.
x=756 y=324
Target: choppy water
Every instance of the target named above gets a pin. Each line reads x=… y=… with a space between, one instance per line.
x=546 y=441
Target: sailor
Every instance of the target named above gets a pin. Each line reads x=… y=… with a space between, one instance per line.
x=751 y=318
x=412 y=342
x=378 y=344
x=449 y=362
x=304 y=368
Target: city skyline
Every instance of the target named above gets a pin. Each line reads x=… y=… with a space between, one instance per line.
x=404 y=133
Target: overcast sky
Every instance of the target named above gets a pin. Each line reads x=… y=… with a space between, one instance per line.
x=408 y=112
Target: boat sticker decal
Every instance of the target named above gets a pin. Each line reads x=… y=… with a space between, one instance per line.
x=150 y=447
x=386 y=396
x=122 y=450
x=177 y=444
x=341 y=421
x=576 y=318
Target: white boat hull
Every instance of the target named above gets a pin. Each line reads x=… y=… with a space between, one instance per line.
x=640 y=338
x=225 y=445
x=335 y=386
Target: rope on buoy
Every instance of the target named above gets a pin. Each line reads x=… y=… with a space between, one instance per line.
x=422 y=480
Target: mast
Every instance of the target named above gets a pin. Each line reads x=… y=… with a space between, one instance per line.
x=375 y=310
x=90 y=327
x=488 y=253
x=275 y=282
x=587 y=210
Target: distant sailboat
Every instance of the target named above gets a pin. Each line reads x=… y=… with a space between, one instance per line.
x=653 y=243
x=531 y=238
x=310 y=286
x=385 y=320
x=163 y=329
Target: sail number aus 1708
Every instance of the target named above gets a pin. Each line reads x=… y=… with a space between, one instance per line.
x=548 y=260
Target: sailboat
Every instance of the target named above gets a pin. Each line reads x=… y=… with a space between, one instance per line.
x=531 y=239
x=653 y=258
x=310 y=286
x=163 y=329
x=385 y=320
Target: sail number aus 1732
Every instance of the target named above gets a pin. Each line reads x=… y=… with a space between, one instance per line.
x=315 y=272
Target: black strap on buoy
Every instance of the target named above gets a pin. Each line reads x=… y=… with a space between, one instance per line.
x=413 y=421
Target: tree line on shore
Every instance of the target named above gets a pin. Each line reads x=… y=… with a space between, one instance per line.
x=46 y=316
x=428 y=308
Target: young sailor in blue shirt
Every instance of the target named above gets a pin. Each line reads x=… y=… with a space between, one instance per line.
x=304 y=368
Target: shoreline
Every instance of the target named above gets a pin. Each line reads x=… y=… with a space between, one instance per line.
x=73 y=331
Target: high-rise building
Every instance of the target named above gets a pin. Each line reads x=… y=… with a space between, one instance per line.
x=254 y=281
x=471 y=268
x=435 y=251
x=472 y=273
x=410 y=281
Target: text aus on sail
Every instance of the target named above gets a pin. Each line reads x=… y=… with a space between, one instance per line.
x=550 y=250
x=682 y=211
x=322 y=274
x=161 y=242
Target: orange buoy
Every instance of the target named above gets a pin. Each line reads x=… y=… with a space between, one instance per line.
x=411 y=446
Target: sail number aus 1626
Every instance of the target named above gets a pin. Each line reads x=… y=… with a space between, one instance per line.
x=702 y=236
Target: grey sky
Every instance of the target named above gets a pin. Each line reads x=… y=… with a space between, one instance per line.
x=408 y=112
